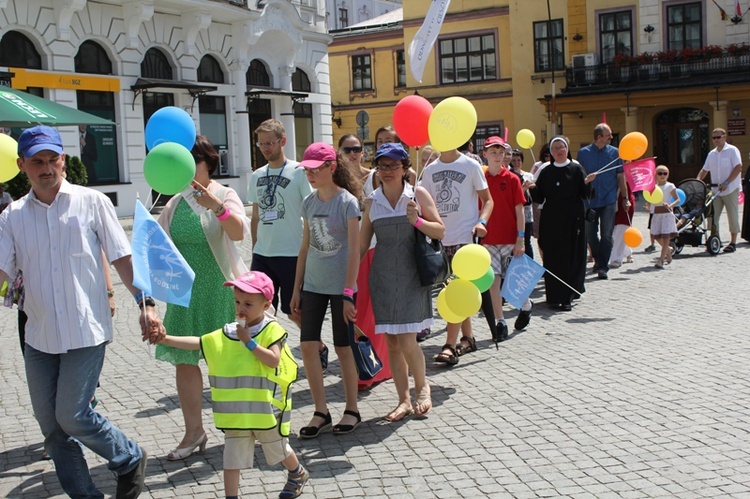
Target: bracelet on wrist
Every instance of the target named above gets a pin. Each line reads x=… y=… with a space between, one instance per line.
x=251 y=344
x=482 y=221
x=521 y=233
x=350 y=299
x=225 y=214
x=348 y=292
x=418 y=223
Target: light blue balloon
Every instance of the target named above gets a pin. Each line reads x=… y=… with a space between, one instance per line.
x=682 y=197
x=170 y=124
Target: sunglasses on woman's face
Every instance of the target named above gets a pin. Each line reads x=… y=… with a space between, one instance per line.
x=349 y=150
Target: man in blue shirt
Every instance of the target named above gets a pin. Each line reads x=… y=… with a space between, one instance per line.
x=599 y=155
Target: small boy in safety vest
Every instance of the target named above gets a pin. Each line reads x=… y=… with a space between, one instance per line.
x=251 y=369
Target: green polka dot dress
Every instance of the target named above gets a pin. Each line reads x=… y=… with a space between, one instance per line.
x=211 y=304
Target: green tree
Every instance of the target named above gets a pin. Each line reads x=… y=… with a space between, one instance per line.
x=19 y=185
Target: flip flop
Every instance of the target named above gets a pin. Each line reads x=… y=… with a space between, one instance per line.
x=398 y=414
x=424 y=402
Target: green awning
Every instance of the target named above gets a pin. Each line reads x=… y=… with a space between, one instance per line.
x=21 y=109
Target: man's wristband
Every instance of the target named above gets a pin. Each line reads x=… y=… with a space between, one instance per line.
x=251 y=344
x=521 y=233
x=483 y=221
x=726 y=182
x=142 y=300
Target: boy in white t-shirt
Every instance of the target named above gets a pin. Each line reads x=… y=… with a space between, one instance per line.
x=457 y=184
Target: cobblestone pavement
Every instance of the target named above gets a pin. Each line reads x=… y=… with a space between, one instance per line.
x=641 y=391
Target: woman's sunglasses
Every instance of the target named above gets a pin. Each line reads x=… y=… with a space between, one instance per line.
x=349 y=150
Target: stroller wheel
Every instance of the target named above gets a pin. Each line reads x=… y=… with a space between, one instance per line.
x=677 y=247
x=713 y=245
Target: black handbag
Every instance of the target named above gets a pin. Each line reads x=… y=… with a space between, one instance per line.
x=367 y=361
x=432 y=261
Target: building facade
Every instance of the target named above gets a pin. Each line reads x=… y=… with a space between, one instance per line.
x=561 y=67
x=231 y=64
x=341 y=14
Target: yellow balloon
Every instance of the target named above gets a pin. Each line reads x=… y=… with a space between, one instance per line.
x=632 y=237
x=463 y=297
x=471 y=262
x=445 y=312
x=8 y=157
x=525 y=138
x=654 y=197
x=633 y=146
x=452 y=123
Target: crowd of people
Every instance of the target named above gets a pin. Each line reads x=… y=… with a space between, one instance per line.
x=328 y=234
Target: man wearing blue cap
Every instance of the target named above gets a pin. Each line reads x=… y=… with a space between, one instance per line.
x=55 y=235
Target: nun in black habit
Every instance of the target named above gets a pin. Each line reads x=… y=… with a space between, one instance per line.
x=562 y=185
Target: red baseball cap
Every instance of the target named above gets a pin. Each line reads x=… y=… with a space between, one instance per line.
x=316 y=154
x=493 y=141
x=254 y=282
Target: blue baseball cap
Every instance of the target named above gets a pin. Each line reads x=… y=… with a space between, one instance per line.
x=39 y=138
x=392 y=150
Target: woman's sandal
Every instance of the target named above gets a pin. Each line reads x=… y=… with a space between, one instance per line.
x=424 y=402
x=464 y=349
x=398 y=413
x=314 y=431
x=447 y=358
x=343 y=429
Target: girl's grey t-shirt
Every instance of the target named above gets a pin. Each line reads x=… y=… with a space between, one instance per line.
x=328 y=253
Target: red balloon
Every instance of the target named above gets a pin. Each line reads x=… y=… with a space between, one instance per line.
x=410 y=119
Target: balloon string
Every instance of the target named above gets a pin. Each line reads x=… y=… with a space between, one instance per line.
x=155 y=201
x=604 y=168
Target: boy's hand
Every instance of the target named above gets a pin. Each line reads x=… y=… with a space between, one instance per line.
x=243 y=333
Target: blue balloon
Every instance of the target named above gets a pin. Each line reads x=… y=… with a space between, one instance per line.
x=682 y=196
x=170 y=124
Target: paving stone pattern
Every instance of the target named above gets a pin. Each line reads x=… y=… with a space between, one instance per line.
x=641 y=391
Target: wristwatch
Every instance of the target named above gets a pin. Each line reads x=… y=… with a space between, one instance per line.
x=111 y=293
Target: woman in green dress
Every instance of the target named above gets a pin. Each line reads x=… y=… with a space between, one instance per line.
x=204 y=223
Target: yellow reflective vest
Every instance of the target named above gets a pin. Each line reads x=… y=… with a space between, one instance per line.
x=246 y=394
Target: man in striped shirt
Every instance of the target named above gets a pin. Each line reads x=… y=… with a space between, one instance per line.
x=55 y=234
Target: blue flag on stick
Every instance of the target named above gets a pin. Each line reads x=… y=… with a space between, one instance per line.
x=159 y=270
x=520 y=280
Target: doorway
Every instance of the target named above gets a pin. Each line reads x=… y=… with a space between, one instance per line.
x=682 y=141
x=259 y=110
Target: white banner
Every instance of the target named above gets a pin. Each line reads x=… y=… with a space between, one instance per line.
x=421 y=46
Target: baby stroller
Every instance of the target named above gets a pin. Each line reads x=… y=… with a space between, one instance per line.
x=692 y=218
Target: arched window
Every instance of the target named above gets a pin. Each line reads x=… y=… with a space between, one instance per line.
x=156 y=65
x=91 y=58
x=210 y=71
x=17 y=51
x=300 y=81
x=257 y=74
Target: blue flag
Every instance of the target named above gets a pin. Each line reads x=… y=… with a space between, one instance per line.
x=159 y=270
x=520 y=280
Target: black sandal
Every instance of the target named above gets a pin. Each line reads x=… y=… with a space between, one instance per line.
x=730 y=248
x=450 y=359
x=314 y=431
x=343 y=429
x=463 y=350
